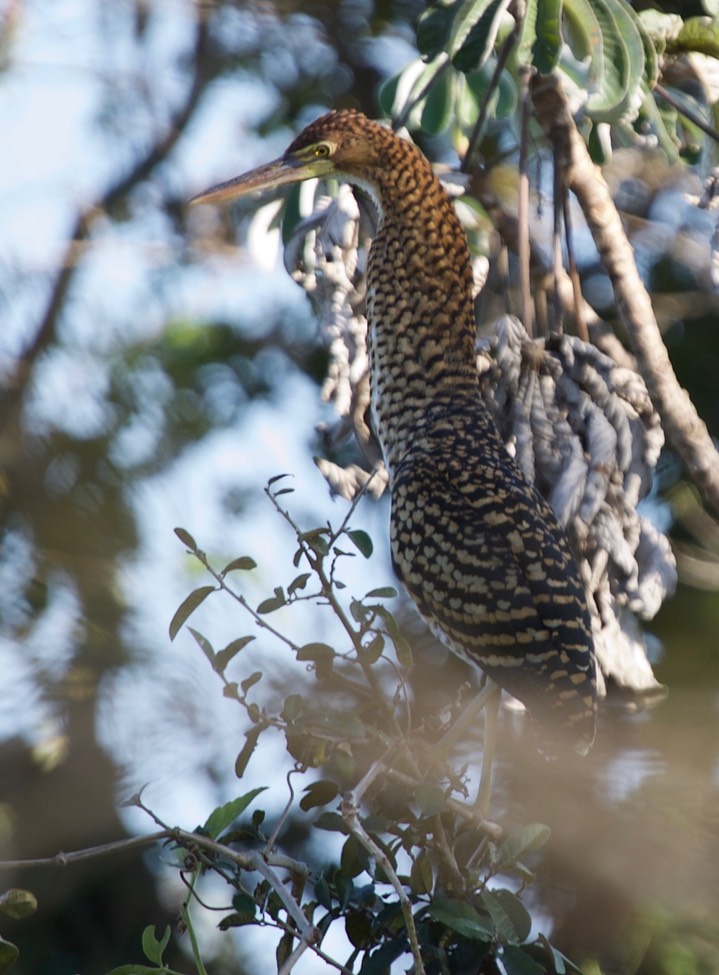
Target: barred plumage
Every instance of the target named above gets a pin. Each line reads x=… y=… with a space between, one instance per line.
x=476 y=546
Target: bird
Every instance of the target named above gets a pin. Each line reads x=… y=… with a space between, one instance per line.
x=475 y=544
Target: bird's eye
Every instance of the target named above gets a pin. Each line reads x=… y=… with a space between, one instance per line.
x=323 y=149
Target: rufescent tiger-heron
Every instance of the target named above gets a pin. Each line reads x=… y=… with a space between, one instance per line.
x=477 y=547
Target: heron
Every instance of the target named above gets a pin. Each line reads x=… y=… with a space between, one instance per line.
x=477 y=547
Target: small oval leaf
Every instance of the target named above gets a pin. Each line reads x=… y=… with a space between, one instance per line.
x=187 y=608
x=516 y=961
x=331 y=821
x=299 y=583
x=152 y=946
x=250 y=681
x=273 y=603
x=248 y=748
x=462 y=918
x=526 y=840
x=316 y=652
x=18 y=903
x=421 y=879
x=384 y=592
x=361 y=541
x=511 y=918
x=186 y=539
x=223 y=657
x=319 y=793
x=276 y=478
x=204 y=645
x=244 y=562
x=222 y=817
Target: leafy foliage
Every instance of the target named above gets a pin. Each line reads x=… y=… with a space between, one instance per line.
x=415 y=869
x=475 y=53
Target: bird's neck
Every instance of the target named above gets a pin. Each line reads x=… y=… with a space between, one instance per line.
x=420 y=308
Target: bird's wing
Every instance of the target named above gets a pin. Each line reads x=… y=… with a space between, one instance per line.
x=490 y=570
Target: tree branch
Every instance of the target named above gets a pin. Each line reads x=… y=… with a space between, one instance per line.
x=685 y=430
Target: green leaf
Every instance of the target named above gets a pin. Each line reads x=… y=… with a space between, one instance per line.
x=9 y=954
x=18 y=903
x=437 y=112
x=322 y=893
x=204 y=645
x=358 y=928
x=187 y=608
x=384 y=592
x=319 y=793
x=292 y=707
x=478 y=42
x=320 y=654
x=517 y=962
x=332 y=822
x=237 y=919
x=354 y=859
x=434 y=27
x=276 y=478
x=361 y=541
x=222 y=817
x=250 y=681
x=273 y=602
x=511 y=918
x=629 y=26
x=462 y=918
x=618 y=59
x=401 y=646
x=373 y=650
x=359 y=612
x=244 y=904
x=540 y=37
x=380 y=961
x=430 y=799
x=223 y=657
x=421 y=878
x=244 y=563
x=248 y=748
x=299 y=583
x=700 y=34
x=584 y=38
x=561 y=963
x=186 y=538
x=153 y=948
x=526 y=840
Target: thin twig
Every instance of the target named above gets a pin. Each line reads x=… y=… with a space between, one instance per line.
x=687 y=112
x=350 y=814
x=491 y=716
x=525 y=287
x=283 y=816
x=502 y=59
x=559 y=195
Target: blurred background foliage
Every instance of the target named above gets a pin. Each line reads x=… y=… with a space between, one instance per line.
x=154 y=374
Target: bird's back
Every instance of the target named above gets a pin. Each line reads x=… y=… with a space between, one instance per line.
x=482 y=555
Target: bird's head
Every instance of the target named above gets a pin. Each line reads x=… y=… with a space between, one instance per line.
x=345 y=144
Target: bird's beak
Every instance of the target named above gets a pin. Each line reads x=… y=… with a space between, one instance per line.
x=268 y=177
